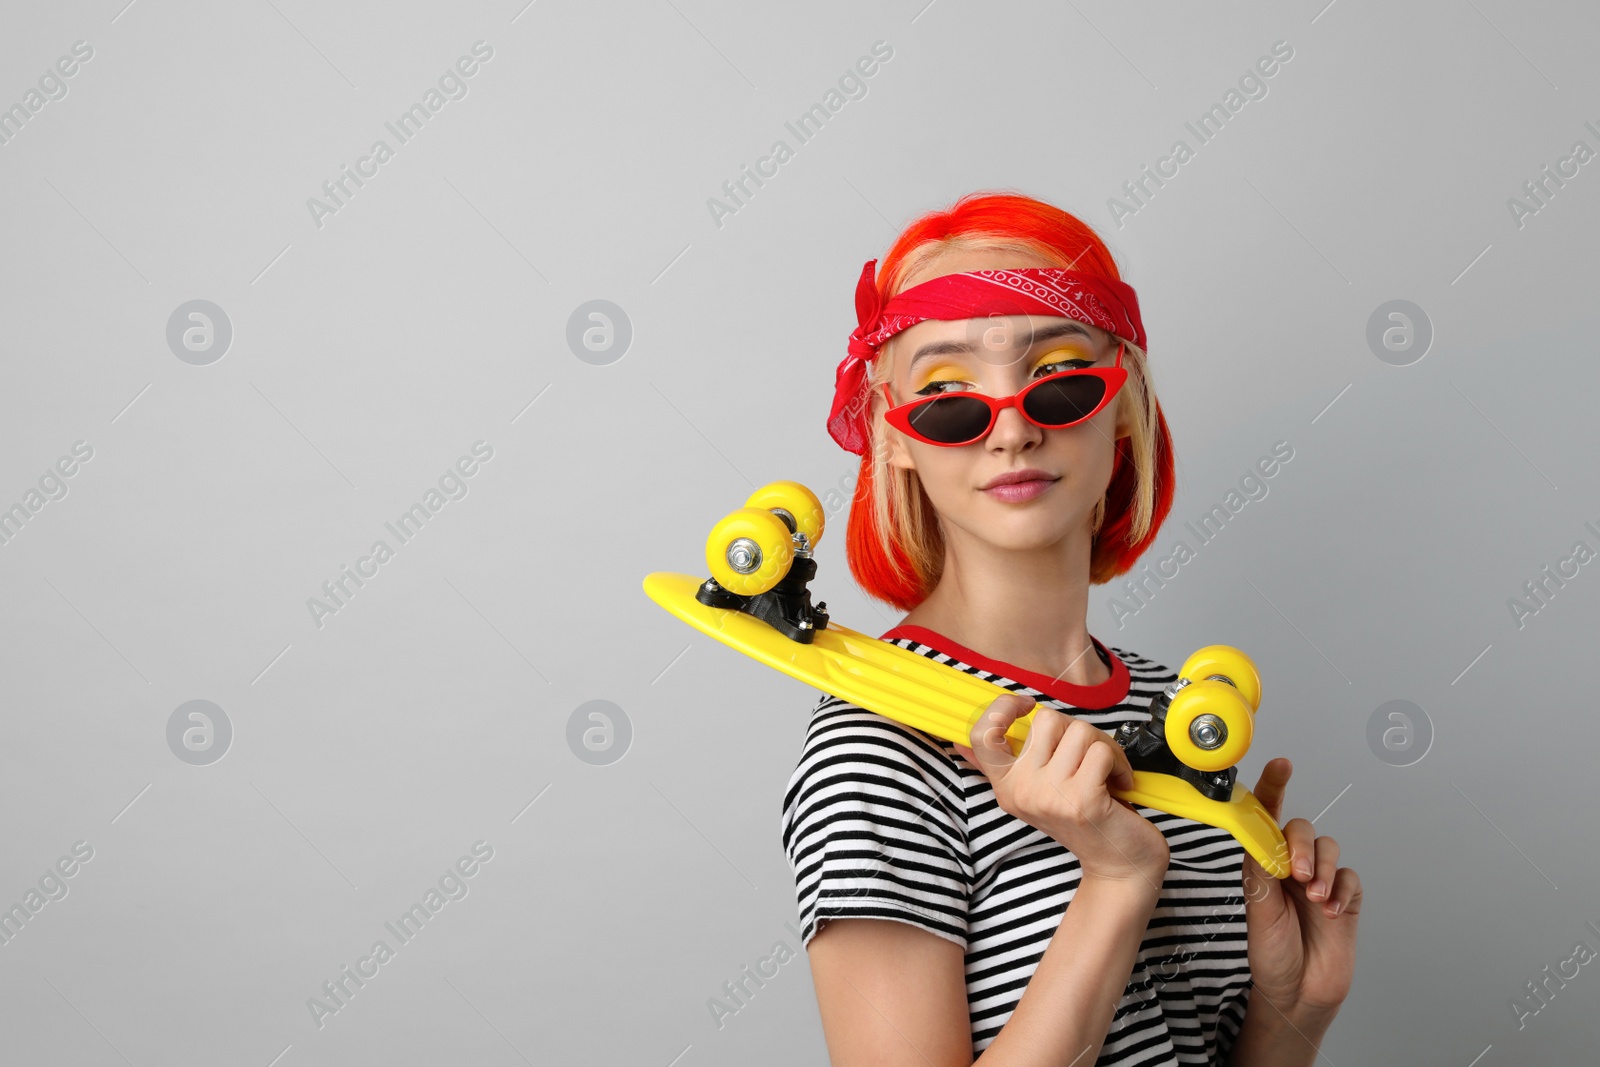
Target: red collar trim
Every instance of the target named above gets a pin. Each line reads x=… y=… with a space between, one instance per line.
x=1109 y=693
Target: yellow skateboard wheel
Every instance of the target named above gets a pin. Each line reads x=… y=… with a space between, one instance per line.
x=1229 y=663
x=797 y=502
x=749 y=550
x=1209 y=725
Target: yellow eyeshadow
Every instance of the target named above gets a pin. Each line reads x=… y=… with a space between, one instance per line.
x=945 y=373
x=1061 y=355
x=952 y=372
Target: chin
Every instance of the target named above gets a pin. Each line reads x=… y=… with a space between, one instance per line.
x=1026 y=531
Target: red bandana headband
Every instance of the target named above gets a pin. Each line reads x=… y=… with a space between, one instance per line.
x=1099 y=301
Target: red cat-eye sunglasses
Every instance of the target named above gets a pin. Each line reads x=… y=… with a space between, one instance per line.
x=1053 y=402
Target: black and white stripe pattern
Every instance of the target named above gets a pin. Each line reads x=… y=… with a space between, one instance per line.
x=884 y=821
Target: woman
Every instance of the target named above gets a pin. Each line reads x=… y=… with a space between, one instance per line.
x=1033 y=917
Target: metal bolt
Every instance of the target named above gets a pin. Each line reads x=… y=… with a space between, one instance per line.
x=744 y=555
x=1208 y=732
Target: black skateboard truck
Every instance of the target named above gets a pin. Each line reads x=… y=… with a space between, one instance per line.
x=1145 y=745
x=786 y=607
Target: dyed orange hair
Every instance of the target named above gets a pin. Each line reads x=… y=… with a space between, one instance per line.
x=893 y=542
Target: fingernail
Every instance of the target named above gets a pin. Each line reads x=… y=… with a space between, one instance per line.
x=1302 y=868
x=1319 y=889
x=1338 y=906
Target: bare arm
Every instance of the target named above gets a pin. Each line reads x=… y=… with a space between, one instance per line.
x=1269 y=1036
x=891 y=994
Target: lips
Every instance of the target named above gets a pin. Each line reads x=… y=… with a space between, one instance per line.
x=1017 y=487
x=1030 y=474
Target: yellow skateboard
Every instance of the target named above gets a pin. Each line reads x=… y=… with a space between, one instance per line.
x=757 y=602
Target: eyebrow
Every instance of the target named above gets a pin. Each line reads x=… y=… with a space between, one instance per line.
x=949 y=348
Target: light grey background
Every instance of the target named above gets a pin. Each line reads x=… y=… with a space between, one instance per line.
x=431 y=312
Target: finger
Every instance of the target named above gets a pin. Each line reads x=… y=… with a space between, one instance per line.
x=1326 y=864
x=1076 y=740
x=1301 y=839
x=1346 y=898
x=1044 y=734
x=1105 y=767
x=1270 y=786
x=990 y=750
x=1121 y=775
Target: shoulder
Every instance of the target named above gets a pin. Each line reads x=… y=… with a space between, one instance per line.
x=1143 y=673
x=857 y=765
x=845 y=742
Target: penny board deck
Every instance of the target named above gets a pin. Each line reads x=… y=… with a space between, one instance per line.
x=942 y=701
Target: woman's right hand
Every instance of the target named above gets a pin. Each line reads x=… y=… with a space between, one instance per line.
x=1060 y=783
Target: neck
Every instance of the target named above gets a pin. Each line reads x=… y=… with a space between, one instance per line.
x=1026 y=608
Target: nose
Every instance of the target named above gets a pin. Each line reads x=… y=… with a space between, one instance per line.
x=1011 y=430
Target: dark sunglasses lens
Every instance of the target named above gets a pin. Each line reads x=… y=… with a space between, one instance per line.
x=951 y=420
x=1065 y=400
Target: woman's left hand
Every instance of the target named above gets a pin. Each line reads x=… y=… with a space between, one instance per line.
x=1302 y=929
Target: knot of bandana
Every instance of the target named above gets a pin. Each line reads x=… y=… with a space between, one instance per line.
x=1099 y=301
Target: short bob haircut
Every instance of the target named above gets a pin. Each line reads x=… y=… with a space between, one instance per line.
x=894 y=543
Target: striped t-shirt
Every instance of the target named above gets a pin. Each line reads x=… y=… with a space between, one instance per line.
x=884 y=821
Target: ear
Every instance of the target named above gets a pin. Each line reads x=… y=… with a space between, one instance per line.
x=893 y=440
x=1124 y=423
x=899 y=454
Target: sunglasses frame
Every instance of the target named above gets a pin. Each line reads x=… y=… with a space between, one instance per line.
x=900 y=416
